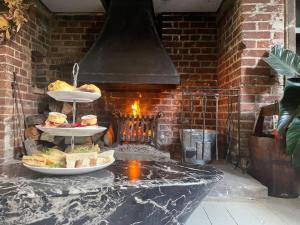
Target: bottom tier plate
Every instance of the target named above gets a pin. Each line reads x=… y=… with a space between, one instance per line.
x=67 y=171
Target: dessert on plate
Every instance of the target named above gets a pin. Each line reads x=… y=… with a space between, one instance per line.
x=89 y=120
x=60 y=86
x=56 y=119
x=89 y=88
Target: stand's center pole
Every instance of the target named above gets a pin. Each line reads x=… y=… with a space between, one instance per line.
x=75 y=75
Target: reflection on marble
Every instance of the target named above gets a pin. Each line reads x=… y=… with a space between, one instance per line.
x=127 y=192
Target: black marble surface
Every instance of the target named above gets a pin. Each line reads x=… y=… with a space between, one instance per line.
x=127 y=192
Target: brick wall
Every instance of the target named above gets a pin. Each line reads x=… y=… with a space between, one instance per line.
x=71 y=37
x=207 y=52
x=190 y=40
x=16 y=56
x=245 y=33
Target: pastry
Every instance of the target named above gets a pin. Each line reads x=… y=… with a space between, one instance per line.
x=90 y=88
x=60 y=86
x=89 y=120
x=34 y=160
x=77 y=160
x=56 y=119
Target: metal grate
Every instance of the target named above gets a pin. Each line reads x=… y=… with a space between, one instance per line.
x=139 y=129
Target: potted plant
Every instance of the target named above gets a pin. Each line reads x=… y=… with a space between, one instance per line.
x=287 y=63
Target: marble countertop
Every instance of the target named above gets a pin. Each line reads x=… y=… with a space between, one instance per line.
x=15 y=179
x=127 y=192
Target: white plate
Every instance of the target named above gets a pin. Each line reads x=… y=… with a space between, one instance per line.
x=67 y=171
x=70 y=96
x=74 y=131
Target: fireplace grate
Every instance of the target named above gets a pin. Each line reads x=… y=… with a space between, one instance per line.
x=137 y=129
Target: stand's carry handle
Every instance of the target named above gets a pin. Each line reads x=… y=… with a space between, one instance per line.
x=75 y=74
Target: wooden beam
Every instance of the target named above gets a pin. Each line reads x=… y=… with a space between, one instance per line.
x=290 y=25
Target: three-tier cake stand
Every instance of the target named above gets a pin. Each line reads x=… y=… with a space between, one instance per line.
x=74 y=97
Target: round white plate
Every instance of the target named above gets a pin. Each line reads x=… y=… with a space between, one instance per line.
x=67 y=171
x=75 y=131
x=70 y=96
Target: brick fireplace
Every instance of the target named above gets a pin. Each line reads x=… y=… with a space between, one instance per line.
x=212 y=50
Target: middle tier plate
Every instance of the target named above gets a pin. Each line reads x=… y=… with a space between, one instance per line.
x=70 y=96
x=74 y=131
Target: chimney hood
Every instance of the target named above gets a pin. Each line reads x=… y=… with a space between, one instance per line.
x=128 y=50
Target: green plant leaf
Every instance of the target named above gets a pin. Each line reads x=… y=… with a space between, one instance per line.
x=289 y=104
x=293 y=141
x=293 y=136
x=284 y=61
x=296 y=156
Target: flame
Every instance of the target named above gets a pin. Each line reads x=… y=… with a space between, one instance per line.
x=136 y=110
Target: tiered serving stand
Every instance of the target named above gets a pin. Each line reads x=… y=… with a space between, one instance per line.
x=74 y=97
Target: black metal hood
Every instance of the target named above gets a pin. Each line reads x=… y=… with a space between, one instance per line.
x=129 y=50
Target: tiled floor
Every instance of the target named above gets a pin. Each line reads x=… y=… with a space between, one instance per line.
x=270 y=211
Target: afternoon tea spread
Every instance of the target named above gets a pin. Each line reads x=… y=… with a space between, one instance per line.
x=76 y=159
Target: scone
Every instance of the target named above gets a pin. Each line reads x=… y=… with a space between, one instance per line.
x=55 y=119
x=89 y=120
x=90 y=88
x=60 y=86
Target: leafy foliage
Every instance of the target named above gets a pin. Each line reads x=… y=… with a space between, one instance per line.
x=287 y=63
x=13 y=18
x=289 y=104
x=284 y=61
x=293 y=141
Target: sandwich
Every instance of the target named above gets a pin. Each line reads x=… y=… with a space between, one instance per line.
x=78 y=160
x=60 y=86
x=90 y=88
x=83 y=149
x=105 y=157
x=54 y=157
x=34 y=160
x=89 y=120
x=56 y=119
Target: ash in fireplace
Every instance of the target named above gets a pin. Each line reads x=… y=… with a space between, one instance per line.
x=140 y=152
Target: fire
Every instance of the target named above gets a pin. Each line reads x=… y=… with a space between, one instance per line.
x=136 y=110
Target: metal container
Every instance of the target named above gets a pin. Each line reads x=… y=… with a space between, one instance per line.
x=203 y=151
x=196 y=148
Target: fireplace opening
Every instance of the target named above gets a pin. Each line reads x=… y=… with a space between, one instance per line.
x=137 y=127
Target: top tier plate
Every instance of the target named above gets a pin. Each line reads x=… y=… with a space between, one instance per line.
x=70 y=96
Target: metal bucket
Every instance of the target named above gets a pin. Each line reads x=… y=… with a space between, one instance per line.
x=194 y=149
